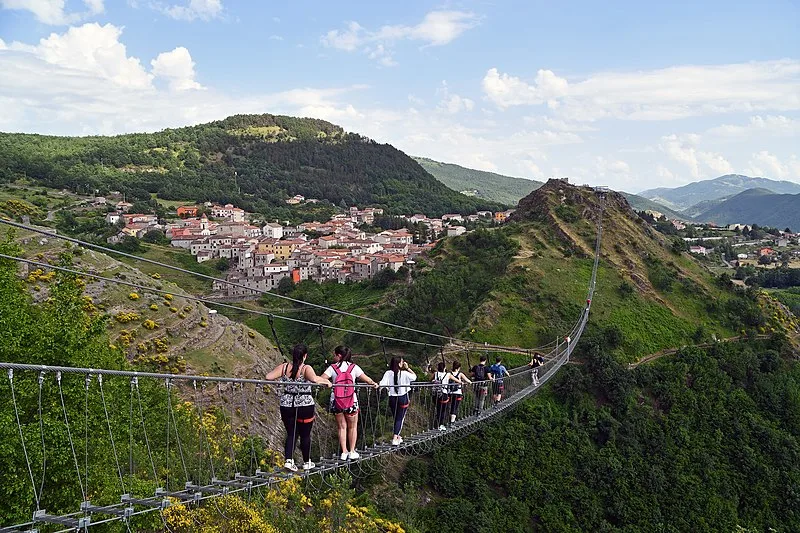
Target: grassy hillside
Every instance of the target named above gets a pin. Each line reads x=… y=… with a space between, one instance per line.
x=757 y=206
x=254 y=161
x=485 y=185
x=164 y=332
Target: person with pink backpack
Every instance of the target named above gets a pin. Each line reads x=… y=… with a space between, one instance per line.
x=344 y=398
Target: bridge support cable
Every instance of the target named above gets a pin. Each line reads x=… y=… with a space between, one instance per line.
x=420 y=433
x=112 y=251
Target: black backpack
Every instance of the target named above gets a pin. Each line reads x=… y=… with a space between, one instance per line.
x=480 y=372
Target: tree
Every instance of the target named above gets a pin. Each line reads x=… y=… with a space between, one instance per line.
x=130 y=244
x=155 y=236
x=285 y=286
x=223 y=264
x=765 y=260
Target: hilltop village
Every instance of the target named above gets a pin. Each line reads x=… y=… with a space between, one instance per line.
x=262 y=254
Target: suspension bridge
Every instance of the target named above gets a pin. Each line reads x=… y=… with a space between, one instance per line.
x=211 y=464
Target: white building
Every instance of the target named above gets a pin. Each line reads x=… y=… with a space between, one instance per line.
x=455 y=231
x=272 y=230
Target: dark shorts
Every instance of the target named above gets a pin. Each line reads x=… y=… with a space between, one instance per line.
x=350 y=411
x=497 y=388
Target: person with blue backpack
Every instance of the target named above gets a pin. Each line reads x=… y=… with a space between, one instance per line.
x=344 y=399
x=297 y=404
x=498 y=371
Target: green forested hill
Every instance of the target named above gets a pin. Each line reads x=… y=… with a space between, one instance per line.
x=489 y=186
x=254 y=161
x=756 y=206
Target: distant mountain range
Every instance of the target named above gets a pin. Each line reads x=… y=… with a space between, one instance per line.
x=682 y=198
x=640 y=203
x=757 y=206
x=479 y=183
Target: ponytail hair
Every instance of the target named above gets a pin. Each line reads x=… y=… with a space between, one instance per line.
x=298 y=354
x=394 y=366
x=456 y=365
x=344 y=353
x=441 y=366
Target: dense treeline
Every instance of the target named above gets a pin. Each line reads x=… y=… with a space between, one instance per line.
x=442 y=299
x=775 y=278
x=254 y=161
x=705 y=441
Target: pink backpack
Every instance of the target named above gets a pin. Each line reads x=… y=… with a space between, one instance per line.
x=344 y=395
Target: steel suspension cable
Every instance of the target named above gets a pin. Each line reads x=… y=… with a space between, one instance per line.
x=110 y=433
x=22 y=437
x=69 y=436
x=219 y=280
x=206 y=301
x=41 y=434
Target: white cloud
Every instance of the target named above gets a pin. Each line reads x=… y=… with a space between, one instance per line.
x=505 y=90
x=275 y=38
x=84 y=82
x=663 y=94
x=453 y=103
x=93 y=50
x=556 y=124
x=177 y=68
x=759 y=126
x=768 y=165
x=382 y=55
x=437 y=28
x=683 y=149
x=193 y=10
x=53 y=11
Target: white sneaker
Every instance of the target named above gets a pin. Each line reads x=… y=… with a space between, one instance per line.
x=354 y=455
x=442 y=428
x=289 y=465
x=396 y=441
x=308 y=466
x=344 y=456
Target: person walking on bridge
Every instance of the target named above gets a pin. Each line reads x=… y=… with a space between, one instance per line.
x=297 y=404
x=481 y=377
x=455 y=390
x=443 y=377
x=536 y=361
x=344 y=399
x=499 y=371
x=398 y=380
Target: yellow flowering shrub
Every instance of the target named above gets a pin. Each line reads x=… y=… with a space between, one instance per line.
x=126 y=337
x=88 y=304
x=168 y=297
x=40 y=275
x=155 y=275
x=153 y=307
x=173 y=309
x=124 y=317
x=149 y=324
x=133 y=296
x=187 y=308
x=228 y=514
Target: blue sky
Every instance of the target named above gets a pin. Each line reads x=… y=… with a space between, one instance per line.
x=628 y=94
